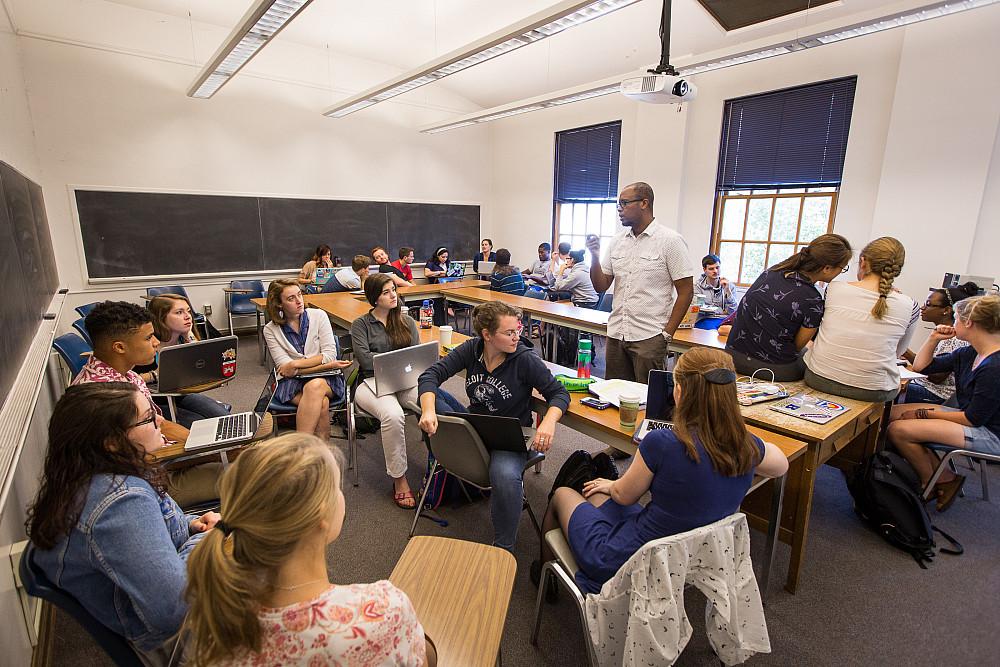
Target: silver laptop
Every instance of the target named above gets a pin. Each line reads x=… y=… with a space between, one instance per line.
x=398 y=370
x=232 y=428
x=486 y=268
x=192 y=364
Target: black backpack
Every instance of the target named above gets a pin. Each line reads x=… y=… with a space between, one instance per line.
x=886 y=491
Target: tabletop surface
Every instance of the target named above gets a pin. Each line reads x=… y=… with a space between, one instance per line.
x=460 y=591
x=563 y=311
x=761 y=414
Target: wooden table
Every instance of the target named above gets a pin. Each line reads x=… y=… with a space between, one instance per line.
x=685 y=339
x=605 y=426
x=562 y=314
x=461 y=591
x=175 y=453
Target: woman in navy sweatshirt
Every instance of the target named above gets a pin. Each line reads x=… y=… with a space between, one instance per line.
x=500 y=373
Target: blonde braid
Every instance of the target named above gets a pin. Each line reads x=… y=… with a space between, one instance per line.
x=885 y=256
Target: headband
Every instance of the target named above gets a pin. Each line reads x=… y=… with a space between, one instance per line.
x=720 y=376
x=440 y=250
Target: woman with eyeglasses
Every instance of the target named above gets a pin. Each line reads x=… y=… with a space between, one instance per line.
x=501 y=371
x=866 y=327
x=105 y=530
x=975 y=423
x=939 y=309
x=781 y=311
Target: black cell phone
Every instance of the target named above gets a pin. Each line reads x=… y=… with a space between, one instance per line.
x=592 y=402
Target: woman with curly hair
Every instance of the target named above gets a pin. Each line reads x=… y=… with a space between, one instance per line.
x=866 y=326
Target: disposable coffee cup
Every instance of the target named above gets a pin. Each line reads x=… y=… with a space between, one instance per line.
x=445 y=332
x=628 y=410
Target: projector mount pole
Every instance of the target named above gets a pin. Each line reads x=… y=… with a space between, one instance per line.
x=665 y=67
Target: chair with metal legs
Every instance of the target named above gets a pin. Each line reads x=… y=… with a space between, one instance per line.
x=951 y=453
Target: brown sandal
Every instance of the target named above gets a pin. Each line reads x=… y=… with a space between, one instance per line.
x=948 y=491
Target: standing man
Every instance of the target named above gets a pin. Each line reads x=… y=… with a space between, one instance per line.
x=718 y=294
x=649 y=262
x=539 y=273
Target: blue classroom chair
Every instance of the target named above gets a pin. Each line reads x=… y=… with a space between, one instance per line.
x=70 y=347
x=82 y=330
x=199 y=319
x=85 y=309
x=238 y=303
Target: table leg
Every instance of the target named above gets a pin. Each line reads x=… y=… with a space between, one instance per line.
x=773 y=526
x=802 y=510
x=260 y=338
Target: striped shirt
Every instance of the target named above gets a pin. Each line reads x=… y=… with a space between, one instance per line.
x=644 y=269
x=511 y=283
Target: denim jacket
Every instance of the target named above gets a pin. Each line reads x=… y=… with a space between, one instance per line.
x=124 y=559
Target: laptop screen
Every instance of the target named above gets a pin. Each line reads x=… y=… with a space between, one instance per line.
x=265 y=396
x=660 y=396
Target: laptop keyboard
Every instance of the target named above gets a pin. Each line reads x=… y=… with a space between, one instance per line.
x=234 y=426
x=655 y=425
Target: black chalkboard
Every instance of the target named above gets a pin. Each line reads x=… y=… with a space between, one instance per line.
x=146 y=234
x=450 y=225
x=27 y=270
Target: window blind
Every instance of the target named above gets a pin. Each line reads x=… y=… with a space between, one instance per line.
x=587 y=163
x=796 y=136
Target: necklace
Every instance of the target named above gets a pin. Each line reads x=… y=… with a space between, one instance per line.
x=292 y=588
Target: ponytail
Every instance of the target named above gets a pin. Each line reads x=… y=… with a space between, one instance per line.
x=825 y=250
x=885 y=257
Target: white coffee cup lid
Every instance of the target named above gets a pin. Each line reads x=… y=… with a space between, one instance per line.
x=445 y=327
x=628 y=398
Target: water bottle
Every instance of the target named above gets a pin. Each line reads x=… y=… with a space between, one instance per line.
x=583 y=359
x=426 y=314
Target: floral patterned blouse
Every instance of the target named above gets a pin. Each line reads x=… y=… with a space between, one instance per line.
x=356 y=625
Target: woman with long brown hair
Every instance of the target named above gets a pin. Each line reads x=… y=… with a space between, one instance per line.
x=781 y=311
x=866 y=327
x=696 y=474
x=320 y=259
x=104 y=528
x=258 y=585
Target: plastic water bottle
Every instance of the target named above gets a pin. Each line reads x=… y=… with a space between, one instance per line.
x=583 y=359
x=426 y=315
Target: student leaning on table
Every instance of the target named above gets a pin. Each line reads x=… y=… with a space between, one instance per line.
x=866 y=326
x=123 y=338
x=500 y=373
x=258 y=584
x=975 y=424
x=320 y=259
x=104 y=528
x=383 y=329
x=574 y=277
x=349 y=278
x=696 y=474
x=301 y=339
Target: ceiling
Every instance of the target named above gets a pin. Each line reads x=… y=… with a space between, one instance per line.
x=402 y=34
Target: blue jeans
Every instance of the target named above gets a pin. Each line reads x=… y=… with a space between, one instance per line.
x=445 y=402
x=918 y=394
x=193 y=407
x=507 y=495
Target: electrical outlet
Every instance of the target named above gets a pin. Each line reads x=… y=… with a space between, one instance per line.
x=208 y=309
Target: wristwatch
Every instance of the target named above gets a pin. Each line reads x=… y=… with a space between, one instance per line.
x=667 y=336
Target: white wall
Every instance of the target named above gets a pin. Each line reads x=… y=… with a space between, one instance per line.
x=110 y=118
x=922 y=167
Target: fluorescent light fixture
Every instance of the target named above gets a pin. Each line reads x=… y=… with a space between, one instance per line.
x=262 y=22
x=611 y=86
x=536 y=27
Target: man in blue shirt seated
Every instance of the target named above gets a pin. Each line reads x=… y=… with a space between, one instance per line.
x=718 y=292
x=346 y=279
x=539 y=274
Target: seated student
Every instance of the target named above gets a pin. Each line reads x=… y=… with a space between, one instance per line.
x=123 y=338
x=487 y=255
x=975 y=424
x=866 y=326
x=320 y=259
x=103 y=525
x=781 y=311
x=574 y=277
x=939 y=309
x=560 y=258
x=539 y=274
x=717 y=292
x=506 y=278
x=438 y=267
x=258 y=584
x=696 y=474
x=402 y=265
x=501 y=371
x=172 y=325
x=301 y=338
x=348 y=279
x=381 y=258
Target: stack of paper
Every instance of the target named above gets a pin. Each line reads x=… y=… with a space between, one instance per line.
x=608 y=390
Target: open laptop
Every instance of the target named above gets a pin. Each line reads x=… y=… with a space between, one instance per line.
x=486 y=268
x=456 y=270
x=659 y=404
x=398 y=370
x=322 y=275
x=232 y=428
x=183 y=366
x=499 y=433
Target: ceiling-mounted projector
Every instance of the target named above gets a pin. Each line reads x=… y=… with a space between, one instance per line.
x=658 y=89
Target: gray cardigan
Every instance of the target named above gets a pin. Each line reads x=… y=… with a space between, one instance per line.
x=369 y=337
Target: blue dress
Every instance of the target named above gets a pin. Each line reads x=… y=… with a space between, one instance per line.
x=685 y=495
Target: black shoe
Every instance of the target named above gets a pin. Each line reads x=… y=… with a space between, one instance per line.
x=577 y=470
x=535 y=573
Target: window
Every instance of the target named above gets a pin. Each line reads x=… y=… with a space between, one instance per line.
x=780 y=166
x=586 y=184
